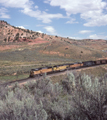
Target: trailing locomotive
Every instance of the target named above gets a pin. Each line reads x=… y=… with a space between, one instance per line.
x=69 y=66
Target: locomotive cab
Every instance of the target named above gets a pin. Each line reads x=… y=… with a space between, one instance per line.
x=32 y=73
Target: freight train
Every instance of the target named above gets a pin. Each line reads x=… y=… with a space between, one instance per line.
x=64 y=67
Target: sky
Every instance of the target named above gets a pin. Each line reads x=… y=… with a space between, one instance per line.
x=76 y=19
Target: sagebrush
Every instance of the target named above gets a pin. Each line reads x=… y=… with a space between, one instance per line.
x=78 y=97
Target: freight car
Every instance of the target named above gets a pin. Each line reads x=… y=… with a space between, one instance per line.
x=59 y=68
x=88 y=63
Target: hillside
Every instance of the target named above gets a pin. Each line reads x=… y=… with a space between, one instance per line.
x=10 y=33
x=22 y=50
x=53 y=45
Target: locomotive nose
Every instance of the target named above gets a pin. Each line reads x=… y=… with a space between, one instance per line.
x=31 y=73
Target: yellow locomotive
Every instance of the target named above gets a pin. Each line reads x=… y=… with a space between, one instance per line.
x=58 y=68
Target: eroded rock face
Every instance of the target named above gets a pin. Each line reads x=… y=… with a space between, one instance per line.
x=10 y=33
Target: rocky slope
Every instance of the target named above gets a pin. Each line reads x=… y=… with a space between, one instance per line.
x=10 y=33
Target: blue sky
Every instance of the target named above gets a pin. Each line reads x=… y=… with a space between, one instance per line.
x=79 y=19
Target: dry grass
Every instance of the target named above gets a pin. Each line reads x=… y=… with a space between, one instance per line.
x=95 y=71
x=24 y=57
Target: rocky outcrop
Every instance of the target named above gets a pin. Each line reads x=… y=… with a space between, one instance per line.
x=10 y=33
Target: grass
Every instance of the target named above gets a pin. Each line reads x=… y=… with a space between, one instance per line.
x=96 y=71
x=9 y=78
x=58 y=78
x=21 y=60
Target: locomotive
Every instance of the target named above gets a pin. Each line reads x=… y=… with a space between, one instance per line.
x=64 y=67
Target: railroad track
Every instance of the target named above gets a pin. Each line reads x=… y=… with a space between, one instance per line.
x=24 y=81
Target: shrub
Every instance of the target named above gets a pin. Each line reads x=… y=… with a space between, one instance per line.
x=19 y=105
x=78 y=97
x=90 y=98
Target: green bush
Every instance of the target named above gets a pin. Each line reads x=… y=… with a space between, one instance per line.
x=78 y=97
x=89 y=97
x=19 y=105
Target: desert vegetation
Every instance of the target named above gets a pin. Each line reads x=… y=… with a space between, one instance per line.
x=76 y=97
x=20 y=58
x=22 y=50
